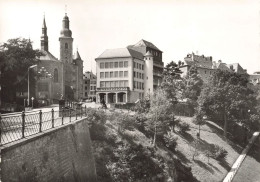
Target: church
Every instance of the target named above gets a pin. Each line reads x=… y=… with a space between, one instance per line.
x=59 y=78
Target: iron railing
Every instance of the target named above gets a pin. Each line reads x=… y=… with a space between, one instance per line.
x=14 y=127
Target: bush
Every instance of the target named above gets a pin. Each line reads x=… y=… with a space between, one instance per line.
x=183 y=127
x=218 y=153
x=125 y=122
x=170 y=140
x=96 y=121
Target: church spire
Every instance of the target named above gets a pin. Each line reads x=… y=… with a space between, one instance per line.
x=44 y=37
x=65 y=31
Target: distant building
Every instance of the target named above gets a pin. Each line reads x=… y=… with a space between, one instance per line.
x=206 y=66
x=128 y=74
x=255 y=78
x=59 y=77
x=89 y=85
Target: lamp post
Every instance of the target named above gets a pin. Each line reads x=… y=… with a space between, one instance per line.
x=29 y=83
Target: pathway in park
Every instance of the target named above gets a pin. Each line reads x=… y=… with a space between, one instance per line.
x=240 y=159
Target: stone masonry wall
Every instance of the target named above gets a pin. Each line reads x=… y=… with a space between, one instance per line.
x=61 y=154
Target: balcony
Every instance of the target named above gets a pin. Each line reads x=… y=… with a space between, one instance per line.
x=112 y=89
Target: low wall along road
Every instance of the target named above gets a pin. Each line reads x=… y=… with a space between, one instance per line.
x=62 y=153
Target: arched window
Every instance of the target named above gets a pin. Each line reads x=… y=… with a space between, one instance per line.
x=66 y=45
x=56 y=75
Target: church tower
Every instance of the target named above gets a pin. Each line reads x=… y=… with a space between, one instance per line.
x=66 y=41
x=44 y=37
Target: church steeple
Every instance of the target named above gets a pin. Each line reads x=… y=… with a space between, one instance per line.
x=44 y=37
x=66 y=47
x=65 y=31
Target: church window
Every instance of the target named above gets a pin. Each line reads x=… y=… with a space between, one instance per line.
x=66 y=45
x=56 y=75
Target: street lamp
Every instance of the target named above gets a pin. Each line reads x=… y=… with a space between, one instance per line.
x=29 y=83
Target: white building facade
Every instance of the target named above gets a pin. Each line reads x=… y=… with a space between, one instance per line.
x=127 y=74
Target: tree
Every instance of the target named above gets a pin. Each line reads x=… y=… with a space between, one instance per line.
x=192 y=88
x=172 y=81
x=16 y=55
x=193 y=84
x=160 y=115
x=227 y=97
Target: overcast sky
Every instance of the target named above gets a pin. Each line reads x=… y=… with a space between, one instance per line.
x=224 y=29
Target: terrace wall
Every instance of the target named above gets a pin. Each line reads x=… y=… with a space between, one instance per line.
x=60 y=154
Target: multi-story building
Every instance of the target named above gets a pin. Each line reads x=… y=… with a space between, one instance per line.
x=128 y=74
x=206 y=66
x=89 y=85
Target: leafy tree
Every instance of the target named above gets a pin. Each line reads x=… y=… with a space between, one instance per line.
x=143 y=106
x=16 y=55
x=172 y=81
x=193 y=85
x=160 y=114
x=227 y=97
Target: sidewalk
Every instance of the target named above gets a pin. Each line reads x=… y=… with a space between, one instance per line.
x=240 y=159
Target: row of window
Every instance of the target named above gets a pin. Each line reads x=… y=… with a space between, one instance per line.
x=91 y=87
x=138 y=75
x=138 y=66
x=120 y=64
x=114 y=74
x=139 y=85
x=121 y=83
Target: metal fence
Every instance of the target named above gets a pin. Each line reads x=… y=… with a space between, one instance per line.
x=14 y=127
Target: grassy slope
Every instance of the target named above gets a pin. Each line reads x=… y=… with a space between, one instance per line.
x=201 y=169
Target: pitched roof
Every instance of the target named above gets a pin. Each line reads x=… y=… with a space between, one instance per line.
x=77 y=56
x=145 y=43
x=48 y=57
x=120 y=52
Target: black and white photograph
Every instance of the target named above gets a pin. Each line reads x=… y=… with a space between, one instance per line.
x=129 y=91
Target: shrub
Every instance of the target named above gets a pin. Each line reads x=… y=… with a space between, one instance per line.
x=96 y=121
x=218 y=153
x=125 y=122
x=184 y=127
x=170 y=140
